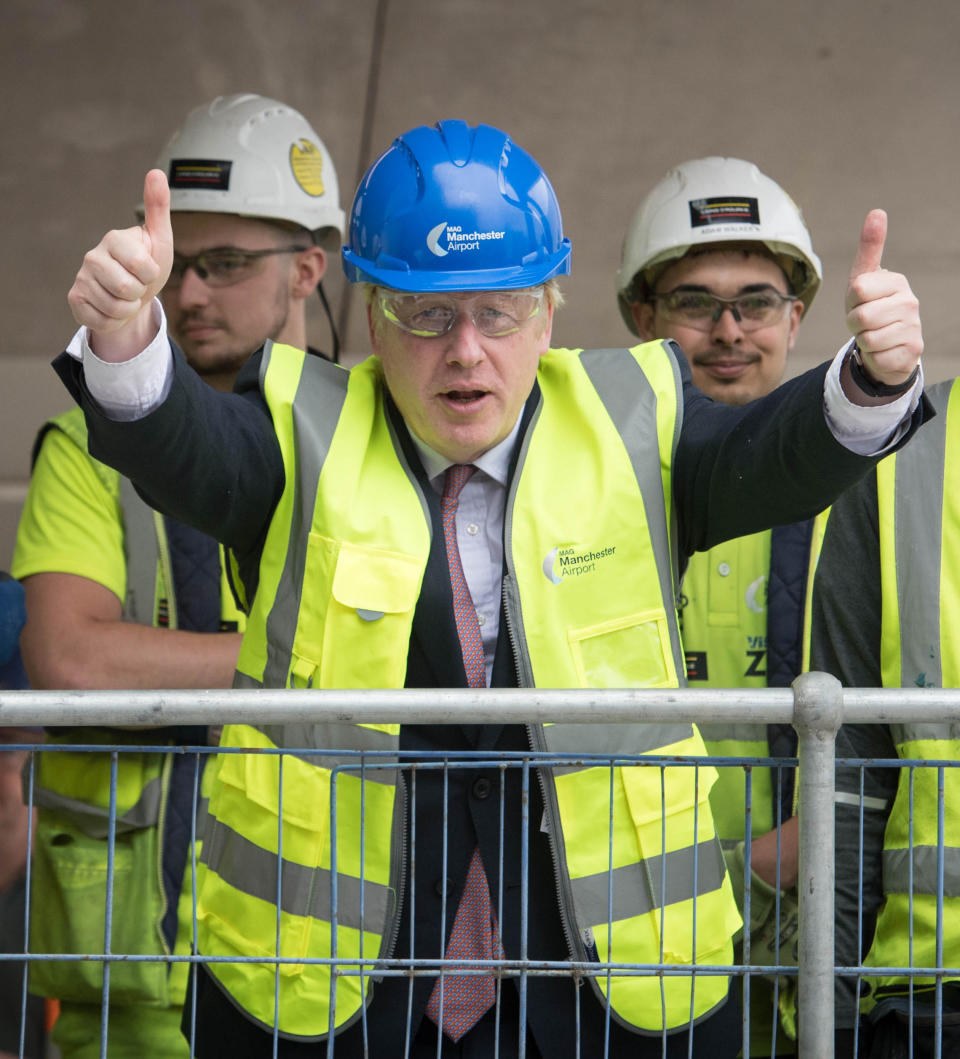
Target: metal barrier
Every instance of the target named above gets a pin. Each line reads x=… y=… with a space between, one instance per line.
x=816 y=707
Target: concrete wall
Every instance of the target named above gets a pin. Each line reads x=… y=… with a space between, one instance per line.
x=848 y=105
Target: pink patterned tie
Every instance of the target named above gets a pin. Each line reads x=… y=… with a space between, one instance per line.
x=466 y=998
x=468 y=627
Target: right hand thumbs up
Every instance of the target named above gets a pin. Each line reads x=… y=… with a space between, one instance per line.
x=119 y=278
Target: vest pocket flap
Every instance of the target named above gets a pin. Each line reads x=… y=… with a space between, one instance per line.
x=375 y=582
x=682 y=786
x=257 y=778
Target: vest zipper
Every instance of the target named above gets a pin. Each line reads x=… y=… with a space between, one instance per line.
x=511 y=608
x=575 y=947
x=166 y=772
x=398 y=855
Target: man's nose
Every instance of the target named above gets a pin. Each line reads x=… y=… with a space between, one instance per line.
x=727 y=326
x=192 y=290
x=464 y=342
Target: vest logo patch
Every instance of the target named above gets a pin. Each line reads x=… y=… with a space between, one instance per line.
x=560 y=563
x=696 y=663
x=756 y=595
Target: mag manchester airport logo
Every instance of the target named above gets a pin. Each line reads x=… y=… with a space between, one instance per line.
x=560 y=564
x=446 y=238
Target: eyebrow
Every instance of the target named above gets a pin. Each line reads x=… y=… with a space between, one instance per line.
x=700 y=288
x=217 y=249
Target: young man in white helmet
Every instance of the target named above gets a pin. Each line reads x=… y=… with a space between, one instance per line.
x=468 y=508
x=119 y=597
x=718 y=257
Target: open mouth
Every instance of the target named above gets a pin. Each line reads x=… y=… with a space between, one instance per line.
x=464 y=397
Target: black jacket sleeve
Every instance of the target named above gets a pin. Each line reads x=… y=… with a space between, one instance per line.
x=740 y=469
x=209 y=459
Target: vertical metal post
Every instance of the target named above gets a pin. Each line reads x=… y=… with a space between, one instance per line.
x=817 y=715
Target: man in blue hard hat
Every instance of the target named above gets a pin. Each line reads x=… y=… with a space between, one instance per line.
x=467 y=508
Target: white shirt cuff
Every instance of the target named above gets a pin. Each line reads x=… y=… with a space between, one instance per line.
x=129 y=389
x=867 y=431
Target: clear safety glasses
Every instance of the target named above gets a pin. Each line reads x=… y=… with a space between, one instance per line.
x=494 y=313
x=700 y=309
x=224 y=265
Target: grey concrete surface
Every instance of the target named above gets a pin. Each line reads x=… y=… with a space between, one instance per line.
x=849 y=105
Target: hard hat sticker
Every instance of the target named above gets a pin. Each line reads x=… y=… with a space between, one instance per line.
x=457 y=240
x=199 y=173
x=726 y=209
x=306 y=161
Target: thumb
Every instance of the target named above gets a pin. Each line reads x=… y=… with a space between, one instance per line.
x=872 y=237
x=156 y=219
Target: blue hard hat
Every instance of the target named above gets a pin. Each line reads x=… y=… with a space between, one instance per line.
x=454 y=207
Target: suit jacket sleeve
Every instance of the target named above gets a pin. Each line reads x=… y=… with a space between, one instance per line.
x=209 y=459
x=741 y=469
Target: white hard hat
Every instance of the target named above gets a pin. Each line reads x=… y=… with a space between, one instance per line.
x=710 y=201
x=256 y=157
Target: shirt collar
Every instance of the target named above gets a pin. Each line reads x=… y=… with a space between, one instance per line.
x=495 y=462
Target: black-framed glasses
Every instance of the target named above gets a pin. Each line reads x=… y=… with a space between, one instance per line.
x=700 y=309
x=224 y=265
x=495 y=314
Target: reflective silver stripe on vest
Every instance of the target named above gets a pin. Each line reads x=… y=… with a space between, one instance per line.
x=611 y=740
x=919 y=544
x=929 y=732
x=305 y=891
x=896 y=871
x=321 y=392
x=203 y=811
x=309 y=737
x=635 y=419
x=737 y=733
x=94 y=821
x=638 y=888
x=141 y=545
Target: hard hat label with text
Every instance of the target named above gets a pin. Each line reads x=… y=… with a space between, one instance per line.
x=306 y=161
x=199 y=173
x=725 y=209
x=446 y=238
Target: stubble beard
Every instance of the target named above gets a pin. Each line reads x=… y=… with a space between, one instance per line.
x=238 y=349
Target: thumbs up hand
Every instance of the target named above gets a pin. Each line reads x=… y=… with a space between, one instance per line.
x=882 y=311
x=119 y=278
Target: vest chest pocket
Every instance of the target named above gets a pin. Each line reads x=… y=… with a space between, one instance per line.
x=357 y=633
x=632 y=651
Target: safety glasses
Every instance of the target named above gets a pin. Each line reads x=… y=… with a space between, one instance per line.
x=224 y=266
x=700 y=309
x=493 y=313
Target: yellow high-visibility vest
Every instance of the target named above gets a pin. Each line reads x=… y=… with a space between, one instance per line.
x=589 y=594
x=919 y=528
